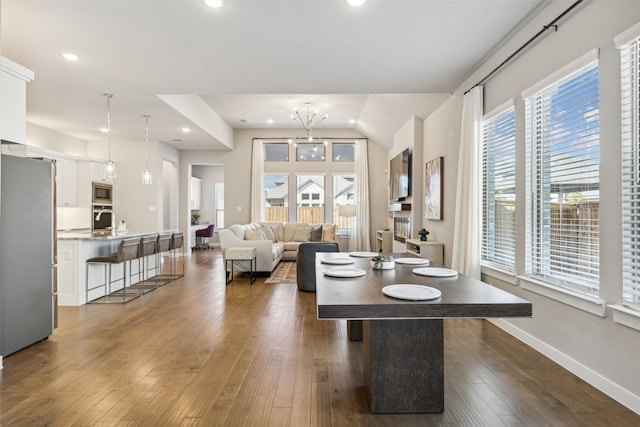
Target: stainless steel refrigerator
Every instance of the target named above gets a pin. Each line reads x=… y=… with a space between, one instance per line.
x=27 y=252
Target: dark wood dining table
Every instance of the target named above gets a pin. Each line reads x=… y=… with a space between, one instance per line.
x=403 y=341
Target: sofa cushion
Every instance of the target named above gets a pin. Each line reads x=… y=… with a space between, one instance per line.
x=238 y=230
x=268 y=232
x=254 y=234
x=277 y=249
x=302 y=234
x=316 y=233
x=328 y=232
x=292 y=246
x=278 y=230
x=290 y=231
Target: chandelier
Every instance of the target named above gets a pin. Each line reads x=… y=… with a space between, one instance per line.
x=309 y=122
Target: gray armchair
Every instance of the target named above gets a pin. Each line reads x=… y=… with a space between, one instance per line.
x=306 y=263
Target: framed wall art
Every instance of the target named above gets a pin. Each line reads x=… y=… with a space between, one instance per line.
x=433 y=188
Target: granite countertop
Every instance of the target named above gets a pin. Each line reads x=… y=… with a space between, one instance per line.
x=101 y=235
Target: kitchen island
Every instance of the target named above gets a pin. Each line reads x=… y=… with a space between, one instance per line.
x=75 y=248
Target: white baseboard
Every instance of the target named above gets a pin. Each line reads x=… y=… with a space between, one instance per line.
x=1 y=362
x=600 y=382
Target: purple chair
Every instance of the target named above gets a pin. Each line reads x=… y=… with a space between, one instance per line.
x=202 y=236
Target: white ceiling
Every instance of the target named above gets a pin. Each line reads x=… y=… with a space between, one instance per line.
x=378 y=64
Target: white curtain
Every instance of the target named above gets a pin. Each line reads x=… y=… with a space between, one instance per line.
x=362 y=193
x=466 y=237
x=257 y=177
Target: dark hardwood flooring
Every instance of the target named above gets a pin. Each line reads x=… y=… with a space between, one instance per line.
x=198 y=353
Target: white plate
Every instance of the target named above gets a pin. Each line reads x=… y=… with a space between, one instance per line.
x=345 y=272
x=364 y=254
x=411 y=292
x=412 y=261
x=337 y=261
x=435 y=272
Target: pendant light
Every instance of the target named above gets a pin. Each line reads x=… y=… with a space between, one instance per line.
x=109 y=166
x=146 y=174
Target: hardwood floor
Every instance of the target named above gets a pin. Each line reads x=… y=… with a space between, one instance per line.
x=198 y=353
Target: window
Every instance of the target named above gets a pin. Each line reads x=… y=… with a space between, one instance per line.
x=310 y=152
x=310 y=187
x=499 y=190
x=276 y=152
x=562 y=179
x=276 y=190
x=280 y=178
x=630 y=67
x=344 y=193
x=344 y=152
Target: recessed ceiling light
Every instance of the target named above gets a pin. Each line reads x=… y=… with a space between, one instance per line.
x=356 y=2
x=215 y=3
x=104 y=130
x=186 y=130
x=270 y=121
x=72 y=57
x=352 y=121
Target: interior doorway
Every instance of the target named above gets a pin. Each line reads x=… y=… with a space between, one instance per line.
x=208 y=204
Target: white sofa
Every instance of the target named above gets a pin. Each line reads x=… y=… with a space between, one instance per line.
x=275 y=241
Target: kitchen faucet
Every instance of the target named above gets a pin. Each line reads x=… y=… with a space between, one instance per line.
x=113 y=217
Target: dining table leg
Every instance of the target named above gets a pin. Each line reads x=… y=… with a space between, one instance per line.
x=404 y=365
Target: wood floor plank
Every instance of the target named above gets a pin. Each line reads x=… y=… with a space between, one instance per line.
x=197 y=352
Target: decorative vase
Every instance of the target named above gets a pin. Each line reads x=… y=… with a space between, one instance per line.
x=423 y=235
x=382 y=265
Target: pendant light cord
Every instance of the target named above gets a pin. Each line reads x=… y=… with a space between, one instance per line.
x=146 y=139
x=109 y=96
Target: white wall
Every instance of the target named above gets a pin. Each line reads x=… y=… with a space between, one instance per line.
x=442 y=138
x=599 y=350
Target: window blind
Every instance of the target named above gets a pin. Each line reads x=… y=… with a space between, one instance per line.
x=630 y=82
x=562 y=129
x=499 y=190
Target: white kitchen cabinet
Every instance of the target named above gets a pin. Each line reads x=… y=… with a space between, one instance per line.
x=13 y=103
x=66 y=180
x=97 y=172
x=195 y=201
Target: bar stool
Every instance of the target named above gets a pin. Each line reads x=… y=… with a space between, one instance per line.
x=163 y=245
x=177 y=242
x=128 y=250
x=147 y=248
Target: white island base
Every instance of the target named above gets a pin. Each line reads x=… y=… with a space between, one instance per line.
x=74 y=249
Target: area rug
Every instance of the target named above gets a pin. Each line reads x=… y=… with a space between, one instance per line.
x=285 y=272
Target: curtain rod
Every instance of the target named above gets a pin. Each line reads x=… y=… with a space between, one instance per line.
x=552 y=25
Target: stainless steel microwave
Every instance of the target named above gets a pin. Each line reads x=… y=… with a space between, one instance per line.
x=101 y=194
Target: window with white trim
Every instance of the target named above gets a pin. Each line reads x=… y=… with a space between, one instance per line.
x=630 y=70
x=499 y=190
x=562 y=128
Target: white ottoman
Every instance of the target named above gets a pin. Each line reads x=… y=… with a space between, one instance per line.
x=236 y=259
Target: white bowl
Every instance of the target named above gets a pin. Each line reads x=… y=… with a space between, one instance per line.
x=386 y=265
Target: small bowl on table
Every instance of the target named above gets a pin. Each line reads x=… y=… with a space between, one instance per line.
x=382 y=263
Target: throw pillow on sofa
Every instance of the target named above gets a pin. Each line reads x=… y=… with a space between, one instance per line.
x=254 y=235
x=328 y=232
x=302 y=234
x=268 y=232
x=316 y=233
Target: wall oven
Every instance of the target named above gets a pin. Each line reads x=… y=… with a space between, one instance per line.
x=101 y=193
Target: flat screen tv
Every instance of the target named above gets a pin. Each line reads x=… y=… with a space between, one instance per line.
x=400 y=176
